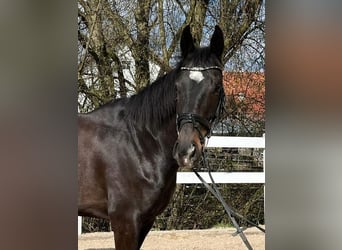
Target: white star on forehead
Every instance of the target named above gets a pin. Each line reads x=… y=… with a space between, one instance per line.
x=197 y=76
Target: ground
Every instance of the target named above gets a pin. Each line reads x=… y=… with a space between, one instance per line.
x=209 y=239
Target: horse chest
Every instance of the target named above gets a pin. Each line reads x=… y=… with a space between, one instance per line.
x=160 y=198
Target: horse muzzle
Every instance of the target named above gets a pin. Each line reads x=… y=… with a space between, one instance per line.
x=188 y=147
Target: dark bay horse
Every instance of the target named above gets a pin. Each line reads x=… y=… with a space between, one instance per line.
x=129 y=150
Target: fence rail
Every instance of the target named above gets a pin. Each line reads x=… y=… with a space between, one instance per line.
x=222 y=177
x=236 y=142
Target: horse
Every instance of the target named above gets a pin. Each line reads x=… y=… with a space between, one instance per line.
x=129 y=150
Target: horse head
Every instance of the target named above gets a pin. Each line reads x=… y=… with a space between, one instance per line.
x=199 y=94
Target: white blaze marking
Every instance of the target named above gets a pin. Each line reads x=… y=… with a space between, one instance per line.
x=197 y=76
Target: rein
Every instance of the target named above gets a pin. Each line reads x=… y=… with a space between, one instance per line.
x=197 y=120
x=228 y=208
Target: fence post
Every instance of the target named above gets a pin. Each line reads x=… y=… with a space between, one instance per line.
x=79 y=225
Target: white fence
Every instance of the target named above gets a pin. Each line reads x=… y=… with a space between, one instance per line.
x=222 y=177
x=226 y=177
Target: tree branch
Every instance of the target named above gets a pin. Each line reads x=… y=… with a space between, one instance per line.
x=81 y=65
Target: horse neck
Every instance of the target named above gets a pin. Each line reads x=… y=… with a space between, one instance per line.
x=164 y=130
x=155 y=106
x=167 y=133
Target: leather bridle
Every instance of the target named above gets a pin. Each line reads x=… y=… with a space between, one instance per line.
x=196 y=120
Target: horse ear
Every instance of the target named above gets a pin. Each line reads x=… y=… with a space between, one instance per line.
x=217 y=42
x=187 y=42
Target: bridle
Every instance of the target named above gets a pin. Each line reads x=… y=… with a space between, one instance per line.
x=196 y=120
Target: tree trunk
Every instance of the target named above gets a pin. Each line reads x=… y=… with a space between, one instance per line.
x=198 y=20
x=141 y=48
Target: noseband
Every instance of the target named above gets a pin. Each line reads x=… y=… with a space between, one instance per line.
x=198 y=121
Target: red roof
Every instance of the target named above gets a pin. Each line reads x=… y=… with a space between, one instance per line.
x=245 y=92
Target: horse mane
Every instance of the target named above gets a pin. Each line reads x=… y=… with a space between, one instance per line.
x=155 y=103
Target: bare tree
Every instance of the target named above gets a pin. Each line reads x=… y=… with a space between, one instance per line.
x=238 y=19
x=115 y=37
x=119 y=41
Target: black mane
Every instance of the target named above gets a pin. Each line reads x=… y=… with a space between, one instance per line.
x=155 y=103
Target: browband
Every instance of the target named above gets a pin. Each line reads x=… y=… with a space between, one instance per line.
x=201 y=68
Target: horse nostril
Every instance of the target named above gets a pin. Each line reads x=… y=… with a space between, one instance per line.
x=184 y=155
